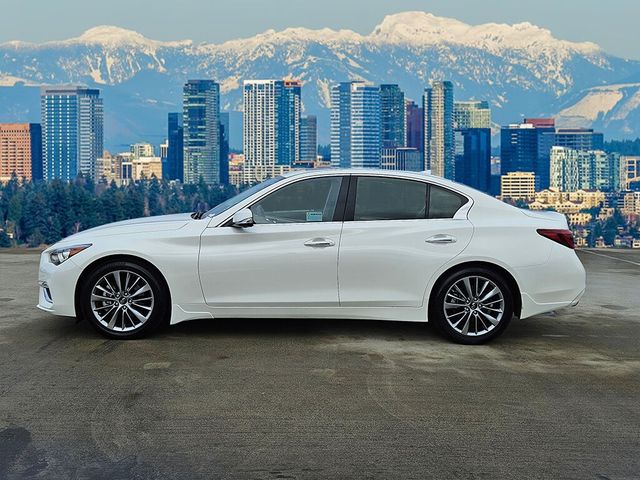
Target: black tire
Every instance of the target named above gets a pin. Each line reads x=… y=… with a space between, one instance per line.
x=159 y=305
x=438 y=316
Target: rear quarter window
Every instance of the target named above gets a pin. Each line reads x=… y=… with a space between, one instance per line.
x=444 y=203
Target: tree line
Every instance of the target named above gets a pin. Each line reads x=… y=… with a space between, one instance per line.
x=39 y=213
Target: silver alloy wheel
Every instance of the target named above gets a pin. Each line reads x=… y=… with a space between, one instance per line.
x=473 y=305
x=122 y=300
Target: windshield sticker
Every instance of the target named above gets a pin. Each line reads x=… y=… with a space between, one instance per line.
x=314 y=216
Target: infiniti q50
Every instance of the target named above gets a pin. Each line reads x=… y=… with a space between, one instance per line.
x=352 y=244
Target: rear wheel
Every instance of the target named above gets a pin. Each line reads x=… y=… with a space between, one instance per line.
x=124 y=300
x=472 y=306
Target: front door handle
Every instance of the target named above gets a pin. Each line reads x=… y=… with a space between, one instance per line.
x=441 y=238
x=320 y=242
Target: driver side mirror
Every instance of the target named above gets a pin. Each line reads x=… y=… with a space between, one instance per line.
x=242 y=218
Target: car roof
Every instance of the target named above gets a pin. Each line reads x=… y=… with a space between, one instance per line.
x=312 y=172
x=425 y=175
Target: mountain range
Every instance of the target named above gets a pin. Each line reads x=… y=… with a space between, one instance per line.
x=521 y=69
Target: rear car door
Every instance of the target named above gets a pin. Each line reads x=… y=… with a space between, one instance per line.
x=397 y=233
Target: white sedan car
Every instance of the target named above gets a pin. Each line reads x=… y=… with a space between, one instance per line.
x=356 y=244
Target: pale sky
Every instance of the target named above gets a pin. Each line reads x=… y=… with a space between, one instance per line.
x=612 y=24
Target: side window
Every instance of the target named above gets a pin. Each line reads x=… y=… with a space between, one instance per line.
x=312 y=200
x=379 y=198
x=444 y=203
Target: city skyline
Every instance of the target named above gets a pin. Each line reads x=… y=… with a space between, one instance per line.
x=543 y=165
x=376 y=119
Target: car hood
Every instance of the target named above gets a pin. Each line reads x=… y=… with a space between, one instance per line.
x=135 y=225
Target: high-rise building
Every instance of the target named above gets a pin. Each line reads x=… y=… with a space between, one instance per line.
x=72 y=131
x=355 y=125
x=439 y=147
x=341 y=125
x=573 y=170
x=308 y=138
x=629 y=171
x=175 y=151
x=403 y=158
x=20 y=151
x=518 y=186
x=414 y=126
x=526 y=147
x=142 y=149
x=471 y=114
x=614 y=171
x=606 y=176
x=224 y=148
x=579 y=139
x=290 y=121
x=271 y=127
x=570 y=170
x=392 y=116
x=472 y=126
x=201 y=131
x=365 y=126
x=473 y=158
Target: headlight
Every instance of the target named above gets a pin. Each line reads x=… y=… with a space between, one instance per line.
x=60 y=255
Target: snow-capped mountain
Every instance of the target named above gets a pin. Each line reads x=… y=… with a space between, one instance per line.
x=521 y=69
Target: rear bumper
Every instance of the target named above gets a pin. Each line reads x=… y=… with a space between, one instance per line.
x=556 y=284
x=530 y=307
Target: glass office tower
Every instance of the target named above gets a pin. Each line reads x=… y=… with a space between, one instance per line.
x=201 y=131
x=72 y=131
x=439 y=148
x=355 y=125
x=392 y=116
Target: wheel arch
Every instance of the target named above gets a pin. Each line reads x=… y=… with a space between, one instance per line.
x=503 y=272
x=99 y=262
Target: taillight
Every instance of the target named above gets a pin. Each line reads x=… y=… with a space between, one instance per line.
x=563 y=237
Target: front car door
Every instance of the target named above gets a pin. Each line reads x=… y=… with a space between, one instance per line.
x=397 y=233
x=288 y=258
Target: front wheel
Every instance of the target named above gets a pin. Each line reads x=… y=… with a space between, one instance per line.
x=472 y=306
x=124 y=300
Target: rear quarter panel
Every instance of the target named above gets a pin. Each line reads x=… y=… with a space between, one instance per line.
x=504 y=236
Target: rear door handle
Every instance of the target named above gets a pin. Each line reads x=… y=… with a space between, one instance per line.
x=320 y=242
x=441 y=238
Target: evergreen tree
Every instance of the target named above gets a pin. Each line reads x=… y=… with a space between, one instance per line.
x=155 y=204
x=35 y=239
x=5 y=241
x=45 y=212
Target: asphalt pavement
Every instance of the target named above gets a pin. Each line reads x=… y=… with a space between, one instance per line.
x=557 y=396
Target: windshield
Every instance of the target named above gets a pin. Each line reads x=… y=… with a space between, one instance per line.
x=227 y=204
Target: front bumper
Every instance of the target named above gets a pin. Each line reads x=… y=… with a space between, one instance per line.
x=57 y=286
x=577 y=299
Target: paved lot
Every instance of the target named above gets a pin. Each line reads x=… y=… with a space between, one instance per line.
x=558 y=396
